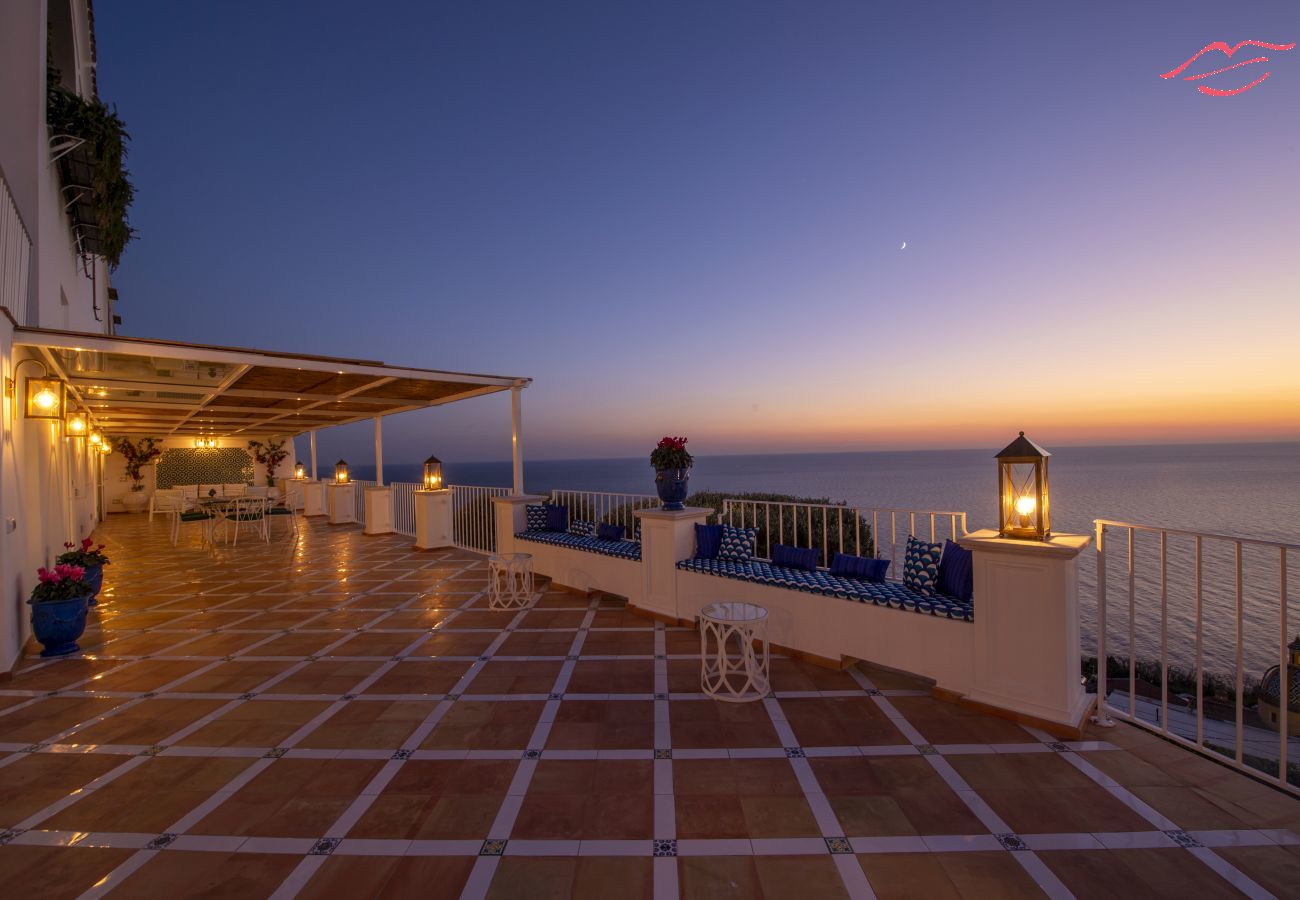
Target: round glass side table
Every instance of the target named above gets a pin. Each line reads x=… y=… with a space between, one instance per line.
x=730 y=668
x=510 y=580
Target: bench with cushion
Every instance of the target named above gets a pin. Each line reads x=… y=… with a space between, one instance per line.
x=881 y=593
x=589 y=543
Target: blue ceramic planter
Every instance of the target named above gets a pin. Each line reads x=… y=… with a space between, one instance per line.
x=671 y=484
x=58 y=623
x=94 y=579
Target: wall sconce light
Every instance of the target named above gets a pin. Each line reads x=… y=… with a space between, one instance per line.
x=1023 y=509
x=341 y=472
x=299 y=471
x=105 y=447
x=433 y=474
x=96 y=439
x=76 y=424
x=42 y=397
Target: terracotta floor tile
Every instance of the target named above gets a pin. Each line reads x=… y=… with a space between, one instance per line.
x=486 y=725
x=39 y=779
x=1032 y=810
x=718 y=877
x=516 y=677
x=370 y=725
x=51 y=873
x=147 y=722
x=905 y=876
x=52 y=715
x=448 y=642
x=398 y=878
x=799 y=877
x=420 y=676
x=257 y=723
x=993 y=874
x=237 y=676
x=840 y=721
x=1149 y=873
x=613 y=677
x=234 y=875
x=537 y=878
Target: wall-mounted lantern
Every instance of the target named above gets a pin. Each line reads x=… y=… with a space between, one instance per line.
x=96 y=438
x=341 y=472
x=299 y=471
x=105 y=447
x=76 y=424
x=433 y=474
x=1024 y=510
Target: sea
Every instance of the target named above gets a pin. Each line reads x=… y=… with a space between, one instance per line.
x=1249 y=490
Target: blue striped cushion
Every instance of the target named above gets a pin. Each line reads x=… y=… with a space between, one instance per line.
x=881 y=593
x=589 y=543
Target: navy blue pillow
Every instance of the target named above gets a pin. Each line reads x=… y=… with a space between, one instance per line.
x=607 y=532
x=557 y=518
x=787 y=557
x=864 y=568
x=708 y=540
x=956 y=572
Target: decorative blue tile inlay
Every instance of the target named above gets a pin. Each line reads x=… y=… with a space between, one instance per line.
x=324 y=847
x=1183 y=839
x=492 y=848
x=161 y=841
x=1011 y=842
x=838 y=845
x=665 y=847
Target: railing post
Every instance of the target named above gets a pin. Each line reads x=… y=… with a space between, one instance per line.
x=1101 y=717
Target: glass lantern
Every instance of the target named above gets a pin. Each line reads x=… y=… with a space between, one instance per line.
x=433 y=474
x=299 y=471
x=341 y=472
x=77 y=424
x=44 y=398
x=1024 y=511
x=96 y=438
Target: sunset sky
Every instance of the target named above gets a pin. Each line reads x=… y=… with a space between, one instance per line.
x=687 y=218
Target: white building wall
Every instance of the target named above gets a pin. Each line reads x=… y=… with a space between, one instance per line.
x=47 y=493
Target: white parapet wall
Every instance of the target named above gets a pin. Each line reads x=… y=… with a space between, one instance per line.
x=582 y=570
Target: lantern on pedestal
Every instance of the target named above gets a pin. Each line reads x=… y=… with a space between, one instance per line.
x=433 y=474
x=1023 y=507
x=341 y=472
x=299 y=471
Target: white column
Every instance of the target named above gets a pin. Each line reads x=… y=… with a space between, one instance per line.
x=379 y=452
x=433 y=523
x=666 y=537
x=312 y=438
x=517 y=437
x=1026 y=630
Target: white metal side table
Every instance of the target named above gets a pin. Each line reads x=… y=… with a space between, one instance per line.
x=739 y=675
x=510 y=580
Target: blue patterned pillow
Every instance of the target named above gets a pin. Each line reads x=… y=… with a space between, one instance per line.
x=737 y=544
x=636 y=531
x=536 y=517
x=582 y=528
x=921 y=566
x=787 y=557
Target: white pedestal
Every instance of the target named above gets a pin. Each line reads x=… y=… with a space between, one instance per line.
x=379 y=510
x=666 y=537
x=509 y=516
x=1026 y=650
x=292 y=491
x=433 y=523
x=341 y=503
x=313 y=498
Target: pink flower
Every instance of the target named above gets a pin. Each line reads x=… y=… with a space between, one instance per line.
x=46 y=576
x=76 y=573
x=85 y=544
x=67 y=544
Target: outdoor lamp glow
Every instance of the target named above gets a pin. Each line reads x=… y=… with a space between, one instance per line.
x=96 y=439
x=433 y=474
x=1023 y=493
x=44 y=398
x=341 y=472
x=105 y=448
x=299 y=471
x=77 y=424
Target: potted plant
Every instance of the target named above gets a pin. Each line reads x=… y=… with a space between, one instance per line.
x=270 y=454
x=137 y=456
x=59 y=605
x=672 y=464
x=92 y=560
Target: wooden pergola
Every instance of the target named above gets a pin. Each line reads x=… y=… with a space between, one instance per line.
x=171 y=389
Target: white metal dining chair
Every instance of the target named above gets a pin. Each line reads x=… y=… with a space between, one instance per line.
x=165 y=500
x=205 y=518
x=248 y=513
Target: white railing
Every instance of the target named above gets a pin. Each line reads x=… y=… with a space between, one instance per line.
x=603 y=506
x=404 y=506
x=1219 y=587
x=473 y=518
x=359 y=497
x=15 y=256
x=831 y=529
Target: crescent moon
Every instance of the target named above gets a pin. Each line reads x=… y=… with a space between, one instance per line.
x=904 y=247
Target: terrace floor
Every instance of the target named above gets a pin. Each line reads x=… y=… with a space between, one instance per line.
x=345 y=718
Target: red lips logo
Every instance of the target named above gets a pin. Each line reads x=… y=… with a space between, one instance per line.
x=1227 y=51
